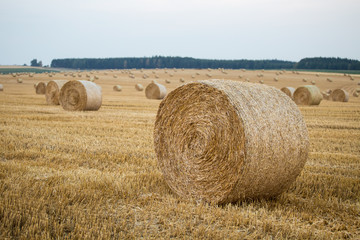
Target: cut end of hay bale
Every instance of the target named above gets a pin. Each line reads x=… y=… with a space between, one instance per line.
x=81 y=95
x=288 y=91
x=212 y=145
x=117 y=88
x=155 y=91
x=52 y=91
x=307 y=95
x=139 y=87
x=40 y=88
x=339 y=95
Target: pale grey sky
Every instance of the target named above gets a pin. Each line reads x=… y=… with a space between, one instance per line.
x=214 y=29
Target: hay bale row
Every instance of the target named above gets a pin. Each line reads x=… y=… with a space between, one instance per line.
x=222 y=141
x=52 y=91
x=307 y=95
x=80 y=95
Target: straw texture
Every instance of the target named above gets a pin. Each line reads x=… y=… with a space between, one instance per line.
x=139 y=87
x=52 y=91
x=222 y=141
x=81 y=95
x=307 y=95
x=40 y=88
x=288 y=91
x=155 y=91
x=340 y=95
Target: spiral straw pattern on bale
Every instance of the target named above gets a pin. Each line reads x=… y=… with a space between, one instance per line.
x=52 y=91
x=139 y=87
x=222 y=141
x=81 y=95
x=340 y=95
x=288 y=91
x=40 y=88
x=307 y=95
x=155 y=91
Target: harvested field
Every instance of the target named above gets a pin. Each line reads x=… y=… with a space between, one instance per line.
x=69 y=174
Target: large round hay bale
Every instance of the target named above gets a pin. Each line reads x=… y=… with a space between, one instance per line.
x=307 y=95
x=155 y=91
x=139 y=87
x=40 y=88
x=117 y=88
x=52 y=91
x=1 y=87
x=81 y=95
x=339 y=95
x=289 y=91
x=222 y=141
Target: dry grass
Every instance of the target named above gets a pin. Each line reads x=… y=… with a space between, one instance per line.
x=94 y=174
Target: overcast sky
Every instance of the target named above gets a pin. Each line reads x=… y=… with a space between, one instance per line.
x=213 y=29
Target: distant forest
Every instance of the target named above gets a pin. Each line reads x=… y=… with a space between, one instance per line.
x=187 y=62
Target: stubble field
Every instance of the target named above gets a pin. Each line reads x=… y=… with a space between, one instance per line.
x=94 y=175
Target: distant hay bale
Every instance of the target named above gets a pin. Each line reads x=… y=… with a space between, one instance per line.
x=14 y=74
x=192 y=76
x=276 y=79
x=317 y=75
x=329 y=80
x=96 y=77
x=339 y=95
x=81 y=95
x=52 y=91
x=240 y=76
x=304 y=80
x=19 y=80
x=261 y=81
x=247 y=80
x=117 y=88
x=355 y=94
x=139 y=87
x=41 y=88
x=307 y=95
x=328 y=91
x=208 y=75
x=182 y=80
x=167 y=81
x=325 y=95
x=115 y=76
x=313 y=82
x=1 y=87
x=288 y=91
x=205 y=154
x=155 y=91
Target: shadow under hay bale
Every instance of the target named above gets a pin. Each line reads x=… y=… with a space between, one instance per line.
x=339 y=95
x=52 y=91
x=155 y=91
x=81 y=95
x=307 y=95
x=222 y=141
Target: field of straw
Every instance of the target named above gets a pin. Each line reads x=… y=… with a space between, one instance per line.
x=82 y=175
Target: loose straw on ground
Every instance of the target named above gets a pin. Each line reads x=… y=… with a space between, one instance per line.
x=41 y=88
x=52 y=91
x=339 y=95
x=155 y=91
x=307 y=95
x=81 y=95
x=289 y=91
x=222 y=141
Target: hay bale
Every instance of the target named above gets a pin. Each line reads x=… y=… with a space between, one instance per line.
x=304 y=80
x=313 y=82
x=52 y=91
x=167 y=81
x=325 y=95
x=355 y=94
x=19 y=80
x=81 y=95
x=222 y=141
x=139 y=87
x=276 y=79
x=182 y=80
x=288 y=91
x=41 y=88
x=117 y=88
x=339 y=95
x=261 y=81
x=1 y=87
x=307 y=95
x=155 y=91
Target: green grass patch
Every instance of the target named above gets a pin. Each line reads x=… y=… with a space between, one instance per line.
x=27 y=70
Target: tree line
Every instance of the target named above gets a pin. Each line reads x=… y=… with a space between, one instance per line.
x=187 y=62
